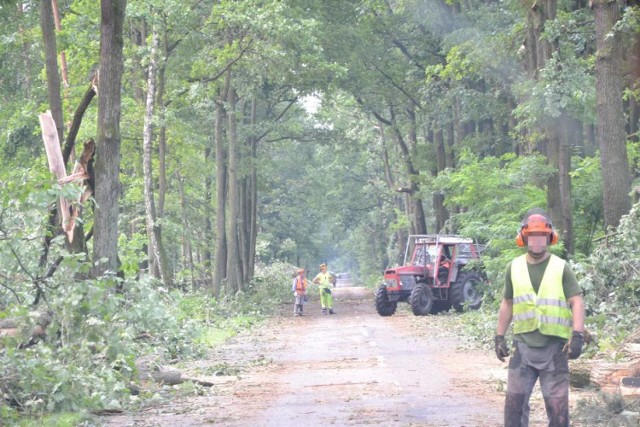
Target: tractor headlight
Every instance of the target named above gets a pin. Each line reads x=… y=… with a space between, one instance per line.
x=407 y=281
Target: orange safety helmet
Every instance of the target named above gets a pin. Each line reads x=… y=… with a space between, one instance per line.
x=536 y=220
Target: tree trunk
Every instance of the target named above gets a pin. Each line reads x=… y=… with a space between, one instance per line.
x=162 y=134
x=51 y=65
x=556 y=140
x=105 y=229
x=208 y=229
x=400 y=235
x=634 y=107
x=162 y=163
x=564 y=169
x=413 y=201
x=220 y=270
x=234 y=265
x=187 y=251
x=252 y=227
x=441 y=164
x=552 y=152
x=610 y=114
x=155 y=259
x=63 y=58
x=25 y=78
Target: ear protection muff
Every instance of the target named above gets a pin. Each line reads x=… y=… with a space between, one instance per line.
x=536 y=223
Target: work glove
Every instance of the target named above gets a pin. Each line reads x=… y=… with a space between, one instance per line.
x=326 y=290
x=502 y=350
x=575 y=344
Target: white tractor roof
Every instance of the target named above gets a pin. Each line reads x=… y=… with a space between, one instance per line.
x=438 y=238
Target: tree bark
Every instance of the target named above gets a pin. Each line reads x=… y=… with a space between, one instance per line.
x=187 y=251
x=441 y=164
x=220 y=270
x=208 y=229
x=105 y=230
x=400 y=234
x=610 y=125
x=252 y=217
x=51 y=65
x=414 y=202
x=564 y=169
x=156 y=265
x=63 y=58
x=26 y=46
x=234 y=265
x=162 y=133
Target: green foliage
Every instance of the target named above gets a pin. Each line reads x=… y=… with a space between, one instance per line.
x=586 y=186
x=611 y=281
x=87 y=360
x=494 y=194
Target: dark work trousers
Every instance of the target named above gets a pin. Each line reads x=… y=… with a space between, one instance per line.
x=528 y=364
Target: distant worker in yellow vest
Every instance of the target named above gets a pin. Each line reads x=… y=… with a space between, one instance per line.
x=544 y=300
x=324 y=281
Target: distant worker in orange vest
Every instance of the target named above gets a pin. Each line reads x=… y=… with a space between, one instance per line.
x=324 y=281
x=299 y=288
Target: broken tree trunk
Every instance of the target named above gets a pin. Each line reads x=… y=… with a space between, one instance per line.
x=20 y=330
x=81 y=173
x=56 y=166
x=623 y=375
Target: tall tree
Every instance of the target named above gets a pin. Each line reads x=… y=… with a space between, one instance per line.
x=234 y=220
x=107 y=189
x=51 y=64
x=220 y=267
x=610 y=126
x=158 y=261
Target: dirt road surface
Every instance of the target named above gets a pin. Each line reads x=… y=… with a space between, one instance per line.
x=353 y=368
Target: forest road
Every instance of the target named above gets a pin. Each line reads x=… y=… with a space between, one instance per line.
x=352 y=368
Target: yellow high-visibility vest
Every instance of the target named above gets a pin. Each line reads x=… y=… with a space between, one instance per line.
x=548 y=311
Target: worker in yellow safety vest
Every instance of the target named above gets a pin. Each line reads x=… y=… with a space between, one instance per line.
x=324 y=281
x=543 y=299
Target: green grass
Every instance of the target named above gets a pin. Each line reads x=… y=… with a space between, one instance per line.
x=213 y=336
x=64 y=419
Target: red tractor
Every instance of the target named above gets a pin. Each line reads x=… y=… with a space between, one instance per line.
x=435 y=276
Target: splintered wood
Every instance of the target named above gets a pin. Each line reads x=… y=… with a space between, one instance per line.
x=69 y=210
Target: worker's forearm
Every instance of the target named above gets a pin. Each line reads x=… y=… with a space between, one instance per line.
x=577 y=312
x=504 y=316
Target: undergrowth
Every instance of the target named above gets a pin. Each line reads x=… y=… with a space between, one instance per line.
x=87 y=360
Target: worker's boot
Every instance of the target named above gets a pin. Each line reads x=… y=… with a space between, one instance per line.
x=331 y=311
x=324 y=311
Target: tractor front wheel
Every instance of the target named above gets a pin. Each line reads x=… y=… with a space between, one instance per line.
x=384 y=307
x=421 y=300
x=467 y=291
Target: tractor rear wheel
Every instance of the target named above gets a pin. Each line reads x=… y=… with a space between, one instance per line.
x=421 y=300
x=384 y=307
x=467 y=291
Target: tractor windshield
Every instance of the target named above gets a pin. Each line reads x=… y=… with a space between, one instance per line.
x=423 y=254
